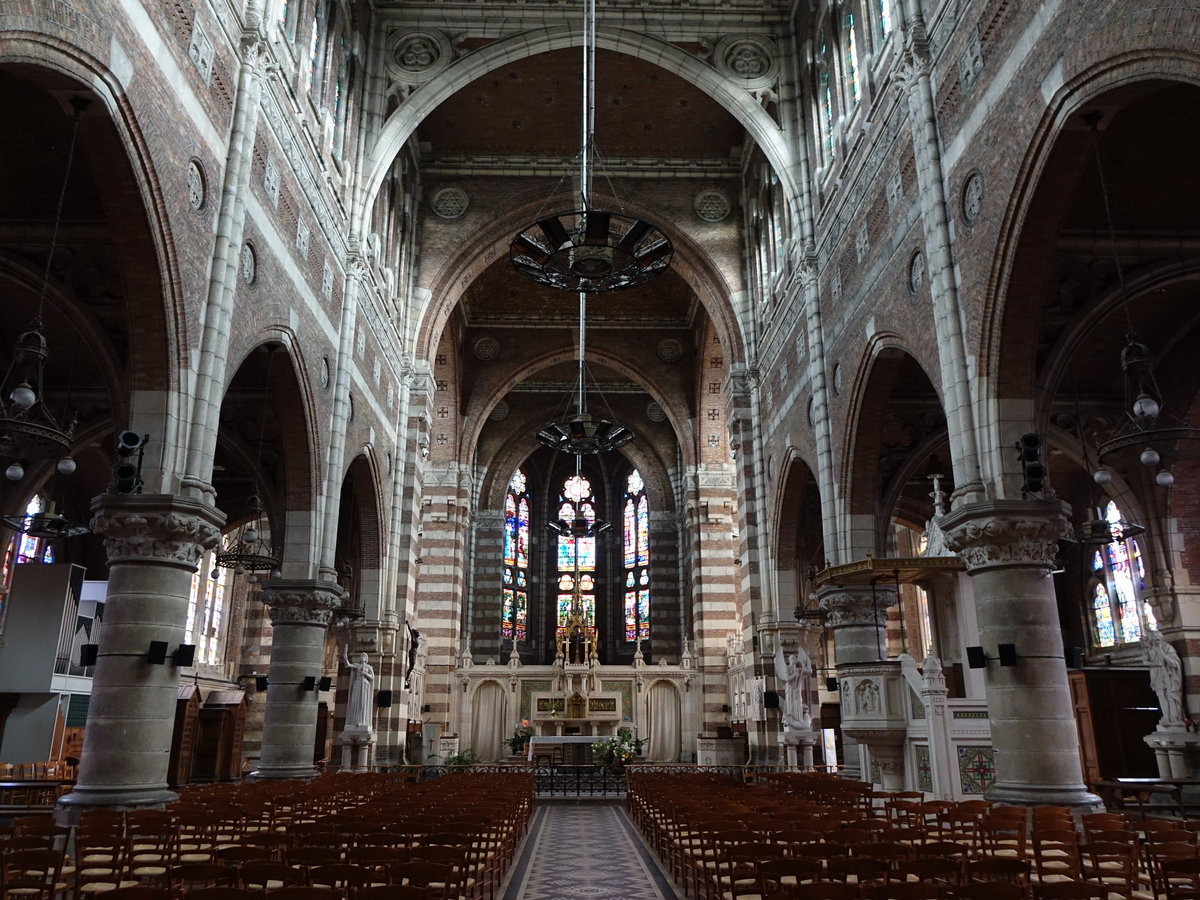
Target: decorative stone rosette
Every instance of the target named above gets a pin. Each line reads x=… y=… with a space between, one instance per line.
x=416 y=57
x=750 y=60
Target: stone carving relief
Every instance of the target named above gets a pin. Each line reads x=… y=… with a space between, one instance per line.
x=249 y=263
x=150 y=532
x=970 y=61
x=654 y=412
x=486 y=348
x=1008 y=538
x=916 y=272
x=301 y=604
x=844 y=608
x=499 y=412
x=197 y=189
x=866 y=698
x=670 y=350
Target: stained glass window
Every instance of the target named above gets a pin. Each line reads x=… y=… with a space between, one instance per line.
x=576 y=555
x=1119 y=613
x=824 y=99
x=514 y=608
x=850 y=43
x=636 y=526
x=206 y=611
x=885 y=17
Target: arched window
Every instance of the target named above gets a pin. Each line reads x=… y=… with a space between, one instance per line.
x=850 y=60
x=824 y=98
x=576 y=555
x=206 y=611
x=885 y=17
x=22 y=549
x=1119 y=615
x=315 y=50
x=515 y=606
x=636 y=532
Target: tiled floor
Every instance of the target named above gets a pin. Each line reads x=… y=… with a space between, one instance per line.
x=586 y=850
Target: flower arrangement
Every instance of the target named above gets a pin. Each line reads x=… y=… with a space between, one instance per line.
x=617 y=750
x=520 y=737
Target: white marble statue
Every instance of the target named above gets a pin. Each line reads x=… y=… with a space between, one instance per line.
x=1166 y=677
x=358 y=698
x=795 y=673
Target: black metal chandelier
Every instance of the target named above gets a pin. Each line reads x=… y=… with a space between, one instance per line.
x=586 y=249
x=29 y=429
x=1146 y=428
x=251 y=547
x=581 y=434
x=47 y=524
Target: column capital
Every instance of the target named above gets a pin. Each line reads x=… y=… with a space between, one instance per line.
x=856 y=606
x=302 y=602
x=156 y=529
x=1007 y=533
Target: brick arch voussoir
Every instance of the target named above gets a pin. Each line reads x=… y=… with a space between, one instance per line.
x=858 y=471
x=160 y=353
x=1008 y=320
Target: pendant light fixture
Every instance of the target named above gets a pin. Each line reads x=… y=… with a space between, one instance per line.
x=580 y=433
x=1146 y=430
x=29 y=429
x=587 y=249
x=251 y=547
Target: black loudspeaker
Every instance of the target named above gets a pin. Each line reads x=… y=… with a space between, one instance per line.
x=831 y=684
x=976 y=658
x=383 y=699
x=157 y=653
x=185 y=654
x=88 y=653
x=1007 y=654
x=325 y=683
x=724 y=707
x=771 y=699
x=1074 y=657
x=309 y=683
x=126 y=478
x=426 y=708
x=260 y=682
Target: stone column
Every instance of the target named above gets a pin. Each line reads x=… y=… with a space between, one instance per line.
x=300 y=613
x=1009 y=548
x=154 y=543
x=858 y=619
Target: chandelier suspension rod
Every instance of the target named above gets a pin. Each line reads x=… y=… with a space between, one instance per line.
x=588 y=114
x=1093 y=122
x=80 y=104
x=582 y=402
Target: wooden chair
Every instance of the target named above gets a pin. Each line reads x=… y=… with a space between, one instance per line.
x=778 y=875
x=904 y=890
x=141 y=892
x=1070 y=890
x=1181 y=878
x=100 y=859
x=345 y=878
x=265 y=875
x=222 y=893
x=31 y=874
x=193 y=876
x=991 y=890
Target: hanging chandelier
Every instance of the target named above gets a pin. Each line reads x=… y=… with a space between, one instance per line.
x=587 y=249
x=47 y=524
x=581 y=434
x=251 y=547
x=29 y=429
x=1146 y=429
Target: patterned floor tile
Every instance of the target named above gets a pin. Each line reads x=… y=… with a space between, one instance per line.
x=586 y=850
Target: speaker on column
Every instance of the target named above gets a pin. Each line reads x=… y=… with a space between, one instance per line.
x=771 y=699
x=88 y=653
x=383 y=699
x=976 y=658
x=1007 y=654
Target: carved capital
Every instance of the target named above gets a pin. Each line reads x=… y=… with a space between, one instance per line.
x=156 y=529
x=302 y=602
x=1007 y=533
x=844 y=607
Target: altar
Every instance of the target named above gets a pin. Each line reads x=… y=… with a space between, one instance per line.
x=572 y=749
x=588 y=716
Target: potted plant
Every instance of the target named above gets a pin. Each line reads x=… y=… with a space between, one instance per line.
x=520 y=738
x=614 y=752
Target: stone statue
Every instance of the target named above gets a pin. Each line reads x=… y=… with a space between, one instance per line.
x=795 y=674
x=1166 y=677
x=358 y=698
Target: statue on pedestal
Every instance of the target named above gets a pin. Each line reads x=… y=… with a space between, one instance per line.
x=358 y=697
x=1166 y=677
x=795 y=674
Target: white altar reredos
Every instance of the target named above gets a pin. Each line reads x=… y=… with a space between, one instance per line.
x=659 y=702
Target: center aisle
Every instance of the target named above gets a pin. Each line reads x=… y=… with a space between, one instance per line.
x=586 y=850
